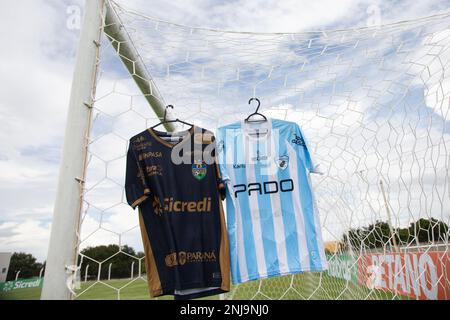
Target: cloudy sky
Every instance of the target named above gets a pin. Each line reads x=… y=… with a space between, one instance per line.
x=40 y=38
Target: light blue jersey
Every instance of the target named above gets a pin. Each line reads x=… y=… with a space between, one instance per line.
x=272 y=218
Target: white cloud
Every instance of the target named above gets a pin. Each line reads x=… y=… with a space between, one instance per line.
x=35 y=77
x=119 y=226
x=30 y=236
x=281 y=16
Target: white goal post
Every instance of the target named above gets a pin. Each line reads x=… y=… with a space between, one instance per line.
x=62 y=258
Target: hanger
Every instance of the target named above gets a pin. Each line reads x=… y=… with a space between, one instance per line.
x=256 y=132
x=170 y=121
x=256 y=113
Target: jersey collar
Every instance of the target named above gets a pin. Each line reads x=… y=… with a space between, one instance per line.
x=249 y=129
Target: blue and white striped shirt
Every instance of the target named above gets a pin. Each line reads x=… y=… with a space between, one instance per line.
x=272 y=219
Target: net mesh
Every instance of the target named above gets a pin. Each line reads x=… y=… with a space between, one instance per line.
x=374 y=104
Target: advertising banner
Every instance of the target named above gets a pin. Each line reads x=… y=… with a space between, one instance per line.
x=21 y=284
x=417 y=275
x=343 y=266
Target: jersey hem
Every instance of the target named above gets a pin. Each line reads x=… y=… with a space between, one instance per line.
x=199 y=294
x=219 y=287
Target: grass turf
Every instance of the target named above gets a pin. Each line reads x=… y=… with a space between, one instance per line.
x=302 y=286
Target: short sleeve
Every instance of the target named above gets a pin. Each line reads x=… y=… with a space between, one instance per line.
x=135 y=186
x=221 y=154
x=302 y=146
x=219 y=182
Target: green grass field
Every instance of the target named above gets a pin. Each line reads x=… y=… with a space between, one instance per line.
x=302 y=286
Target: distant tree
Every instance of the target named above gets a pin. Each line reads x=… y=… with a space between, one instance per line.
x=141 y=254
x=429 y=230
x=379 y=235
x=121 y=261
x=25 y=263
x=374 y=236
x=353 y=238
x=403 y=236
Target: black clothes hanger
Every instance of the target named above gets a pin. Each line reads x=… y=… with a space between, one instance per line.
x=170 y=121
x=256 y=113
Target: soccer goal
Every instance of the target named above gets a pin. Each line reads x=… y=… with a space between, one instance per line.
x=374 y=103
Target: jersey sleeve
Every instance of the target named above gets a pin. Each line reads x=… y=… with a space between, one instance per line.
x=221 y=154
x=136 y=188
x=219 y=180
x=303 y=150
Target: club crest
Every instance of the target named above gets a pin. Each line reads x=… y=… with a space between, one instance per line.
x=282 y=162
x=199 y=171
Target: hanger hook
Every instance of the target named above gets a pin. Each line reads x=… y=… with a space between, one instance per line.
x=259 y=103
x=165 y=111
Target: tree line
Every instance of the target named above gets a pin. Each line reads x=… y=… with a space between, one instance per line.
x=25 y=263
x=378 y=235
x=121 y=260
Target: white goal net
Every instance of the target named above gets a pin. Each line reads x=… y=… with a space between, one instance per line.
x=374 y=103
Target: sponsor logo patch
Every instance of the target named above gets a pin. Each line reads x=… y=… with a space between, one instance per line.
x=155 y=170
x=181 y=258
x=147 y=155
x=157 y=207
x=171 y=205
x=298 y=140
x=140 y=143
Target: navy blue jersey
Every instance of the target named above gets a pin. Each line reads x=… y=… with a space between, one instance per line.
x=176 y=187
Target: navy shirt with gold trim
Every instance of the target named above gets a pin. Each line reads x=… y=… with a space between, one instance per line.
x=177 y=188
